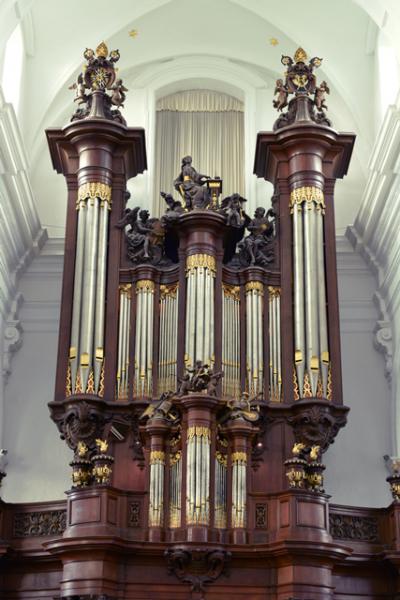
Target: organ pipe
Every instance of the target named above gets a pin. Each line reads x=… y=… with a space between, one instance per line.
x=175 y=489
x=168 y=327
x=199 y=337
x=198 y=475
x=156 y=501
x=123 y=340
x=275 y=373
x=310 y=317
x=220 y=515
x=143 y=378
x=239 y=490
x=231 y=340
x=254 y=336
x=88 y=305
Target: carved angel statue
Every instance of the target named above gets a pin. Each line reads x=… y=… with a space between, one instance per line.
x=281 y=94
x=213 y=382
x=320 y=95
x=189 y=184
x=198 y=379
x=79 y=87
x=243 y=408
x=145 y=236
x=200 y=376
x=161 y=408
x=183 y=385
x=174 y=209
x=255 y=248
x=232 y=208
x=118 y=93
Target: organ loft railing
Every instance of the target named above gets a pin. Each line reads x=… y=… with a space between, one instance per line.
x=201 y=344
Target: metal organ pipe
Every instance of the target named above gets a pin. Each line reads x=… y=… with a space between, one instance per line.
x=144 y=337
x=311 y=331
x=199 y=337
x=101 y=292
x=254 y=336
x=88 y=306
x=167 y=356
x=156 y=500
x=123 y=340
x=298 y=284
x=76 y=305
x=239 y=489
x=230 y=340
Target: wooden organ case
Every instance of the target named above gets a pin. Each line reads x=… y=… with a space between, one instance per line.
x=198 y=375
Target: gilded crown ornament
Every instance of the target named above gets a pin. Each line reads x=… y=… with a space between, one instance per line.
x=309 y=98
x=98 y=92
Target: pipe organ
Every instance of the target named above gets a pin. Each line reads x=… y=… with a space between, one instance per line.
x=201 y=346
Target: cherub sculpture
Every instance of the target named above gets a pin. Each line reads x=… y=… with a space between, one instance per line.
x=174 y=209
x=118 y=93
x=79 y=87
x=200 y=376
x=320 y=95
x=243 y=408
x=281 y=93
x=213 y=382
x=145 y=236
x=183 y=385
x=161 y=408
x=256 y=249
x=232 y=208
x=198 y=379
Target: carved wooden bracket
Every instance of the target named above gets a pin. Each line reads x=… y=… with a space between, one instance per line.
x=198 y=567
x=317 y=422
x=80 y=420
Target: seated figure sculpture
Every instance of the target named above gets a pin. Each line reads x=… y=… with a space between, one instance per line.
x=189 y=184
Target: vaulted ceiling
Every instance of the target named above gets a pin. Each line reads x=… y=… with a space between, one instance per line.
x=194 y=43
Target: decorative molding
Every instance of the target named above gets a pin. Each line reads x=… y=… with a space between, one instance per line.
x=134 y=509
x=383 y=340
x=13 y=331
x=38 y=524
x=21 y=234
x=260 y=516
x=354 y=528
x=197 y=567
x=374 y=236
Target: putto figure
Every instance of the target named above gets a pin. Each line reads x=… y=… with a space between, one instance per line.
x=189 y=184
x=199 y=379
x=144 y=237
x=232 y=208
x=281 y=93
x=256 y=248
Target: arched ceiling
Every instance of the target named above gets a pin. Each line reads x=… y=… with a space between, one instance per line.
x=171 y=31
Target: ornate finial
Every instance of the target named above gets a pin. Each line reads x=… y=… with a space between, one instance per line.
x=102 y=50
x=300 y=55
x=308 y=103
x=98 y=77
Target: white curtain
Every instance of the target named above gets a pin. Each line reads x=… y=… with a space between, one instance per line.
x=207 y=125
